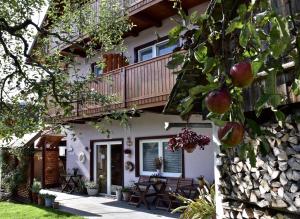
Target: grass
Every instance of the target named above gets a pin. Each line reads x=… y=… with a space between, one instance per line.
x=10 y=210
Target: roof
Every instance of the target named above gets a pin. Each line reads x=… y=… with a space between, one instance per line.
x=16 y=142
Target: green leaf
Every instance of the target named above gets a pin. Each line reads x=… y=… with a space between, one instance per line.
x=253 y=126
x=251 y=156
x=296 y=87
x=194 y=17
x=218 y=122
x=279 y=37
x=242 y=10
x=256 y=65
x=280 y=117
x=177 y=59
x=243 y=151
x=200 y=54
x=227 y=136
x=209 y=65
x=264 y=146
x=271 y=88
x=186 y=106
x=262 y=101
x=174 y=32
x=200 y=89
x=234 y=25
x=244 y=36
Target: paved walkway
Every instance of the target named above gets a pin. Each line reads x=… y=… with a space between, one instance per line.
x=106 y=208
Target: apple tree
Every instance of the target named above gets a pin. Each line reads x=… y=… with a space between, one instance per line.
x=225 y=50
x=34 y=79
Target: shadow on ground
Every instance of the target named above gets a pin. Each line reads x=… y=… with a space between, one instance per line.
x=142 y=208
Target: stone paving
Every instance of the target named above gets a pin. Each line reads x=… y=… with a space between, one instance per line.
x=106 y=207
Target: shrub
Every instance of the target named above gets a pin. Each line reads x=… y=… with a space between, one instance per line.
x=203 y=207
x=36 y=186
x=49 y=196
x=126 y=189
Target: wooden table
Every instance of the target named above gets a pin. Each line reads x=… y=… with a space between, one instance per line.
x=71 y=182
x=144 y=192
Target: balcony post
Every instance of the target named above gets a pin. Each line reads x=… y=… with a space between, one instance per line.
x=124 y=91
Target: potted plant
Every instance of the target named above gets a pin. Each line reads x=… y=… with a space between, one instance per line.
x=126 y=192
x=92 y=188
x=158 y=165
x=35 y=189
x=49 y=199
x=41 y=200
x=119 y=193
x=127 y=152
x=188 y=140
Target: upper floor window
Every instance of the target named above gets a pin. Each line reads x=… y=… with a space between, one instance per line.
x=154 y=50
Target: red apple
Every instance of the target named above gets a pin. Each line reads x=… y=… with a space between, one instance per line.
x=218 y=101
x=241 y=74
x=231 y=134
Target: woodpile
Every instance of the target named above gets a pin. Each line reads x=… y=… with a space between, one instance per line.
x=274 y=183
x=238 y=210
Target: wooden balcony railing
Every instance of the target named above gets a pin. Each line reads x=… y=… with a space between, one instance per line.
x=141 y=85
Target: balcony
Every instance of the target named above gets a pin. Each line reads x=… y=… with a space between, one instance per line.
x=143 y=13
x=142 y=85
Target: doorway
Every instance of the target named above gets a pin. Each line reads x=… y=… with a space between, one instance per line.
x=108 y=165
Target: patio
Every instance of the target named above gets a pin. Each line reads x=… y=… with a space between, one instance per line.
x=105 y=207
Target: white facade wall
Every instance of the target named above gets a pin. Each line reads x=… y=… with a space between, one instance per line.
x=149 y=124
x=200 y=162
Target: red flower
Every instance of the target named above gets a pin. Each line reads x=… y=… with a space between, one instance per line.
x=187 y=140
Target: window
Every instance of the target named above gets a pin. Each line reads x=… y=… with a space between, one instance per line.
x=164 y=48
x=157 y=49
x=151 y=149
x=145 y=54
x=96 y=69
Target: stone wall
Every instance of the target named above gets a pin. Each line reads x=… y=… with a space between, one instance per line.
x=270 y=188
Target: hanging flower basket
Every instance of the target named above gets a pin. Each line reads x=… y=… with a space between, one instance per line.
x=188 y=140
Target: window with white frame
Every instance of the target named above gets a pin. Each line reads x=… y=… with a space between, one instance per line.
x=157 y=49
x=96 y=69
x=158 y=148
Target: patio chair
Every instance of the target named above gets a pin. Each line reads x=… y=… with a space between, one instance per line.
x=166 y=200
x=184 y=187
x=135 y=194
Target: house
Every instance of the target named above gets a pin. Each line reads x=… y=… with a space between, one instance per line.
x=145 y=84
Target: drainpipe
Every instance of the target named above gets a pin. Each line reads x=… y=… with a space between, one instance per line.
x=216 y=142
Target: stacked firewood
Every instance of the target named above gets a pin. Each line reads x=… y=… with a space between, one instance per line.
x=274 y=182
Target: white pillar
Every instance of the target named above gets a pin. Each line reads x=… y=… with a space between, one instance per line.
x=108 y=169
x=219 y=208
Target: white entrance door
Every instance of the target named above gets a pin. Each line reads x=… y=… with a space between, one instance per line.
x=105 y=170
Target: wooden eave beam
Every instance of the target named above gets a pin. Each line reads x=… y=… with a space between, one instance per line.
x=168 y=6
x=144 y=16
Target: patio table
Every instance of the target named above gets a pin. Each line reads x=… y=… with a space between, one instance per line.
x=158 y=187
x=71 y=182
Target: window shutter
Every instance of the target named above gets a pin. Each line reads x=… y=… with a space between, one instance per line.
x=150 y=152
x=172 y=160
